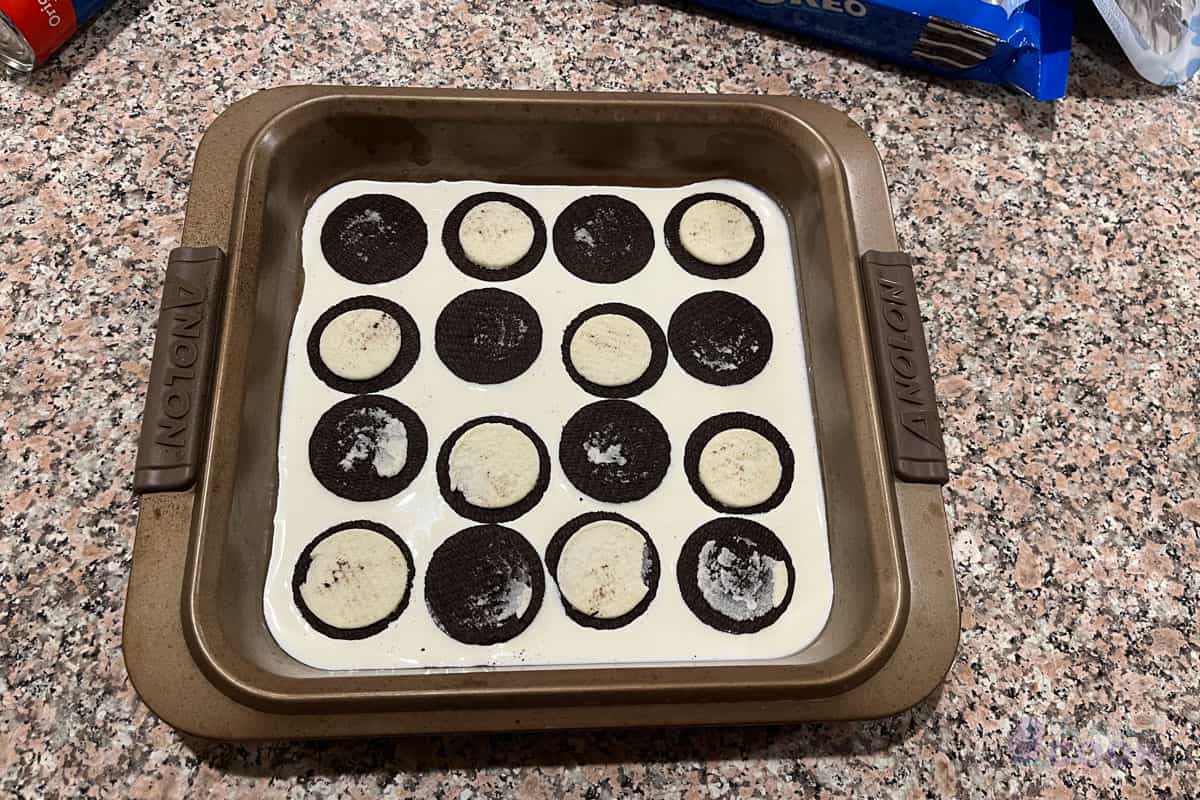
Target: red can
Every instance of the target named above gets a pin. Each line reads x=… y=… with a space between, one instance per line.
x=32 y=30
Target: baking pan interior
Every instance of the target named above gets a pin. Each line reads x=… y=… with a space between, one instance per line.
x=332 y=139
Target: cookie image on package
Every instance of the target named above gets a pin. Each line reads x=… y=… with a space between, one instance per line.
x=614 y=350
x=494 y=236
x=353 y=580
x=374 y=238
x=606 y=568
x=735 y=575
x=739 y=463
x=603 y=238
x=720 y=338
x=714 y=236
x=364 y=344
x=484 y=585
x=493 y=469
x=488 y=336
x=367 y=448
x=614 y=451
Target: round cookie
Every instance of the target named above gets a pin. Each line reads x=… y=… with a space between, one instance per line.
x=494 y=236
x=484 y=585
x=367 y=448
x=614 y=350
x=739 y=463
x=488 y=336
x=358 y=335
x=714 y=236
x=720 y=338
x=603 y=238
x=735 y=575
x=493 y=469
x=614 y=451
x=606 y=568
x=374 y=238
x=353 y=580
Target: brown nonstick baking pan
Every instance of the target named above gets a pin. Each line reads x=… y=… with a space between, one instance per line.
x=196 y=643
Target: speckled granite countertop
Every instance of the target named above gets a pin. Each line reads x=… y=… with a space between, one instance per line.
x=1059 y=266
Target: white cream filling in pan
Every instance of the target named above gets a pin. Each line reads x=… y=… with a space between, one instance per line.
x=544 y=397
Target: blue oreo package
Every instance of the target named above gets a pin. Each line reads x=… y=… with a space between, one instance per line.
x=1025 y=44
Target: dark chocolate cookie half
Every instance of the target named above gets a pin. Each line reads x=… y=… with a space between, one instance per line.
x=484 y=585
x=367 y=448
x=603 y=238
x=720 y=338
x=614 y=451
x=488 y=336
x=735 y=575
x=374 y=238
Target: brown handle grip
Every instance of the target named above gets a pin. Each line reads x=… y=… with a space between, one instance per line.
x=171 y=444
x=910 y=412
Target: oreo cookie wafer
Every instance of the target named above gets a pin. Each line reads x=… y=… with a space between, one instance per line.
x=720 y=338
x=735 y=575
x=614 y=451
x=367 y=448
x=484 y=585
x=488 y=336
x=363 y=344
x=493 y=469
x=374 y=238
x=603 y=238
x=353 y=580
x=714 y=236
x=606 y=567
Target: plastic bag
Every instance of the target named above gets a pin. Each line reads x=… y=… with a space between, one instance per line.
x=1160 y=37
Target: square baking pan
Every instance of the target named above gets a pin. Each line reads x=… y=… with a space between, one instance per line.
x=195 y=640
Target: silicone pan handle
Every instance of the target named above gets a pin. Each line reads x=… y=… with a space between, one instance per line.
x=909 y=406
x=173 y=425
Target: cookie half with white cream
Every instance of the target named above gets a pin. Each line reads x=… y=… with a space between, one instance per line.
x=363 y=344
x=714 y=236
x=493 y=469
x=739 y=463
x=614 y=350
x=353 y=580
x=606 y=567
x=494 y=236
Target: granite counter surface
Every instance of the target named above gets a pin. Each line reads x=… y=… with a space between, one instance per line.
x=1058 y=250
